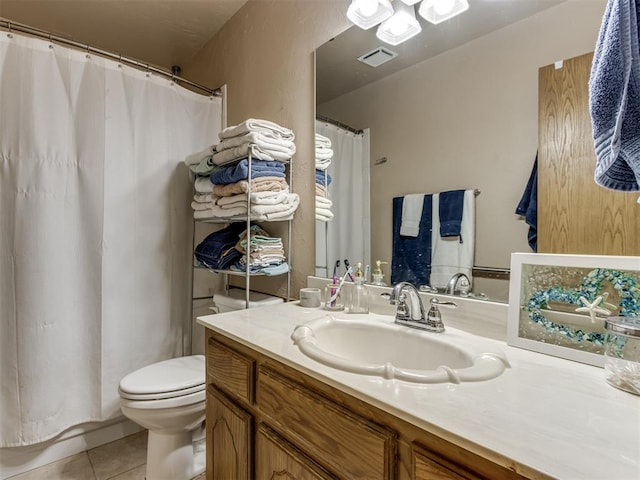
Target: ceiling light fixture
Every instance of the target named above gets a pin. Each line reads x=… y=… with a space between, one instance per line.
x=369 y=13
x=436 y=11
x=401 y=26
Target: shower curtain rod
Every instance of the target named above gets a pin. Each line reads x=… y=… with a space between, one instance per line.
x=10 y=26
x=322 y=118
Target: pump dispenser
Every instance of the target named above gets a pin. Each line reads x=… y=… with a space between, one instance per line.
x=378 y=275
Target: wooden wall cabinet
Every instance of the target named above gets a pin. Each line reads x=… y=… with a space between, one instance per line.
x=267 y=421
x=575 y=215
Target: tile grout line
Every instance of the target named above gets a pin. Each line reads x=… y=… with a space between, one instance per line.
x=126 y=471
x=95 y=476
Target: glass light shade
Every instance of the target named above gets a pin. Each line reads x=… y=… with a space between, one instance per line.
x=369 y=13
x=400 y=27
x=410 y=2
x=436 y=11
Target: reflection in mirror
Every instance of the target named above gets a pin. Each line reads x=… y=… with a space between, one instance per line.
x=456 y=109
x=342 y=196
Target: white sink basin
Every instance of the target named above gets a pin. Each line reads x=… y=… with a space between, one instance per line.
x=374 y=345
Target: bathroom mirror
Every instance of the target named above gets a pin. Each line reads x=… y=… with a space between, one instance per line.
x=457 y=108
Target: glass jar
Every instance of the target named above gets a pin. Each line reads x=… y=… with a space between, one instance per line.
x=358 y=298
x=333 y=297
x=622 y=353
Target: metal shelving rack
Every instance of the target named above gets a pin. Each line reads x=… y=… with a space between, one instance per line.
x=248 y=219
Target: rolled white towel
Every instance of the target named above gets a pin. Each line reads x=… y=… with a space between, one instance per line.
x=323 y=164
x=256 y=151
x=288 y=205
x=203 y=185
x=203 y=198
x=256 y=125
x=323 y=202
x=197 y=157
x=266 y=141
x=324 y=153
x=322 y=141
x=323 y=214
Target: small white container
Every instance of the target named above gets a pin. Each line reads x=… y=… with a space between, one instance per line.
x=622 y=353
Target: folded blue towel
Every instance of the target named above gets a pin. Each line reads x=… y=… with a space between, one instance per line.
x=450 y=209
x=323 y=178
x=411 y=256
x=614 y=98
x=240 y=171
x=528 y=206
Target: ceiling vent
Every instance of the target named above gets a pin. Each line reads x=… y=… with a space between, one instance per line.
x=377 y=57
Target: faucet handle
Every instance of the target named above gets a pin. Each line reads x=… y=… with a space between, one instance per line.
x=447 y=303
x=434 y=318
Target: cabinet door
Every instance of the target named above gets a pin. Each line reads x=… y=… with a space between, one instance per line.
x=229 y=439
x=276 y=458
x=575 y=215
x=428 y=466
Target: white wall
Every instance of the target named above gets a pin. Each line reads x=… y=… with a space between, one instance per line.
x=467 y=118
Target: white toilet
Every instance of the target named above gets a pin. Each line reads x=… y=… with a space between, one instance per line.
x=168 y=398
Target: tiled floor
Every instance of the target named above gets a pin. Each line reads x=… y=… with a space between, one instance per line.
x=120 y=460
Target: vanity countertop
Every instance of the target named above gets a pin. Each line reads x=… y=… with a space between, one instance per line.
x=546 y=414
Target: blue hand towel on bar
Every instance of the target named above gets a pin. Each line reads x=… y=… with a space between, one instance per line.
x=240 y=171
x=614 y=98
x=528 y=206
x=450 y=209
x=411 y=258
x=322 y=177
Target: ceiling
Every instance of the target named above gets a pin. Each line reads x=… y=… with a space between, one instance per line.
x=158 y=32
x=338 y=71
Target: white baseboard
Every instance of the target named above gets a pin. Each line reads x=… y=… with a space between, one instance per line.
x=16 y=460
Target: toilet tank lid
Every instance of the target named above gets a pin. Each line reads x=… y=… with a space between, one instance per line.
x=166 y=376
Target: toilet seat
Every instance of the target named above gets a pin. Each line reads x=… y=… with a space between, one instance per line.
x=156 y=404
x=169 y=379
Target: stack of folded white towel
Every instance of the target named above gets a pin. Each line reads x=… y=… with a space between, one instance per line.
x=265 y=140
x=324 y=155
x=270 y=199
x=225 y=191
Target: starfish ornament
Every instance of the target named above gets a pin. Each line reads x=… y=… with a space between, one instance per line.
x=592 y=308
x=608 y=306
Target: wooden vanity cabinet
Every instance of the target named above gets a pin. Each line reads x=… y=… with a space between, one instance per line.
x=266 y=420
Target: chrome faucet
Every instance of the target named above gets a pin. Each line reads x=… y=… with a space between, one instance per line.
x=453 y=282
x=406 y=297
x=411 y=311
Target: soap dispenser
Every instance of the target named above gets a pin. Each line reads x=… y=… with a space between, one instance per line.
x=377 y=275
x=359 y=301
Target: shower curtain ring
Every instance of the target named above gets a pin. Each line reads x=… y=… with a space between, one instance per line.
x=9 y=34
x=148 y=71
x=87 y=56
x=120 y=61
x=50 y=41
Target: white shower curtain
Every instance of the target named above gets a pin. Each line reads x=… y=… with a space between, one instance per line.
x=348 y=234
x=95 y=230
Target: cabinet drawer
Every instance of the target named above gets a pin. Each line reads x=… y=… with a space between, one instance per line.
x=231 y=371
x=347 y=444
